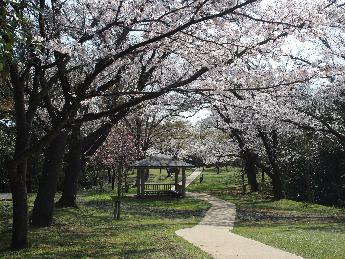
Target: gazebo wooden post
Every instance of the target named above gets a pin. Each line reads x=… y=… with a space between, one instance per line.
x=183 y=194
x=138 y=182
x=142 y=182
x=176 y=179
x=176 y=167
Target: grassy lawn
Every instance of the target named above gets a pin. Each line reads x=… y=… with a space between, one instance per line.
x=146 y=230
x=309 y=230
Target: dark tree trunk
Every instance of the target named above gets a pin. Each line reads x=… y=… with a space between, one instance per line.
x=42 y=214
x=271 y=151
x=72 y=171
x=17 y=169
x=32 y=170
x=113 y=178
x=243 y=183
x=95 y=179
x=109 y=175
x=29 y=171
x=309 y=184
x=20 y=205
x=119 y=194
x=125 y=177
x=119 y=183
x=169 y=172
x=248 y=160
x=250 y=170
x=277 y=184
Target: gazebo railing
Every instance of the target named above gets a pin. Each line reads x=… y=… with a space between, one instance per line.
x=158 y=186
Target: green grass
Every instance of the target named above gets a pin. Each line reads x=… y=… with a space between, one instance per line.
x=309 y=230
x=146 y=230
x=147 y=227
x=214 y=183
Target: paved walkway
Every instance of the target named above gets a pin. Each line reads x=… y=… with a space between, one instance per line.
x=213 y=234
x=192 y=177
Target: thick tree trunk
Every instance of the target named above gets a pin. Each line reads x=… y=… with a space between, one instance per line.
x=72 y=171
x=309 y=184
x=32 y=170
x=249 y=161
x=271 y=147
x=20 y=205
x=42 y=214
x=250 y=170
x=95 y=178
x=29 y=171
x=277 y=186
x=17 y=169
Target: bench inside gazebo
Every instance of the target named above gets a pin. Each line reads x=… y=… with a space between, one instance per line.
x=176 y=189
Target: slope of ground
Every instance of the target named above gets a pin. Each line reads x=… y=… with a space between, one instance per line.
x=309 y=230
x=146 y=230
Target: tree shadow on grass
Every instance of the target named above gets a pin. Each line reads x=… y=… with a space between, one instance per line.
x=283 y=222
x=157 y=207
x=81 y=237
x=90 y=231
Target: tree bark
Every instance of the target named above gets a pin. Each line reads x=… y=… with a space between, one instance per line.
x=109 y=174
x=29 y=171
x=271 y=151
x=277 y=185
x=249 y=161
x=72 y=170
x=18 y=168
x=95 y=178
x=113 y=178
x=20 y=205
x=42 y=214
x=250 y=170
x=32 y=168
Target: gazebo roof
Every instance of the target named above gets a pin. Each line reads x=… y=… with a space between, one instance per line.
x=160 y=162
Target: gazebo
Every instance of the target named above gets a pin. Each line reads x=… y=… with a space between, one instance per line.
x=161 y=162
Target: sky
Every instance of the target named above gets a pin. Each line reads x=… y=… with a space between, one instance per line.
x=195 y=117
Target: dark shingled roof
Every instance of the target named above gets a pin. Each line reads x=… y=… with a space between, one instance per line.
x=160 y=162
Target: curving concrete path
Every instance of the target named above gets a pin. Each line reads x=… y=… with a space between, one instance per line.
x=192 y=176
x=213 y=234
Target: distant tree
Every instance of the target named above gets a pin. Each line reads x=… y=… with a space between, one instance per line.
x=117 y=153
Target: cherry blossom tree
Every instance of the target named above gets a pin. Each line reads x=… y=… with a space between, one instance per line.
x=118 y=152
x=120 y=54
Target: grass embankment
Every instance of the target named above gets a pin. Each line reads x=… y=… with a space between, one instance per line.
x=309 y=230
x=146 y=230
